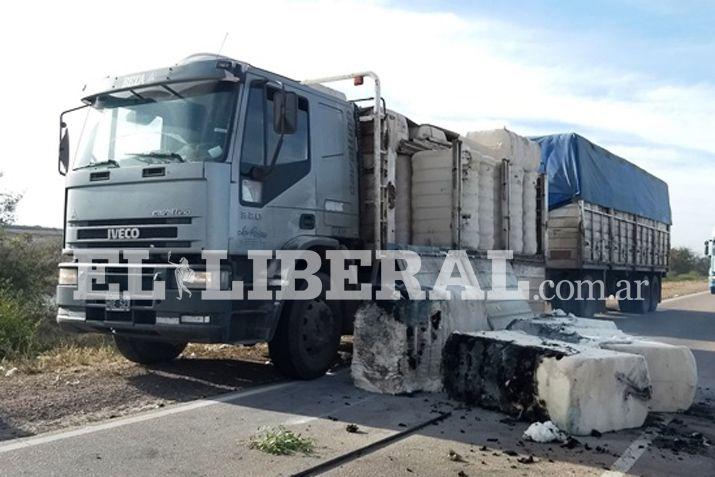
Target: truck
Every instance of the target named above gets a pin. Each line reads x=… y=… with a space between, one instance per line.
x=609 y=221
x=216 y=154
x=709 y=252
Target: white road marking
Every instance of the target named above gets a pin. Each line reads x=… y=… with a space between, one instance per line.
x=166 y=374
x=685 y=296
x=634 y=451
x=123 y=421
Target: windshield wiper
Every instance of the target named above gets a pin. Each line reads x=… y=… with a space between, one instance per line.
x=159 y=155
x=108 y=162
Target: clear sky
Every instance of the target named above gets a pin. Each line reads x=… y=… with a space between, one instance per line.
x=635 y=76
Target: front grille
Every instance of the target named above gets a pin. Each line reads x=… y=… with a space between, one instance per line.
x=144 y=233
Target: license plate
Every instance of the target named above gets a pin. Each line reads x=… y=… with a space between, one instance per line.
x=121 y=304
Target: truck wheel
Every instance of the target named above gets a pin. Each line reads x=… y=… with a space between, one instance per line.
x=306 y=341
x=588 y=308
x=641 y=307
x=625 y=306
x=146 y=351
x=654 y=293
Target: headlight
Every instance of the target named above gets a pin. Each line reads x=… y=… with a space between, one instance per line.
x=67 y=276
x=203 y=280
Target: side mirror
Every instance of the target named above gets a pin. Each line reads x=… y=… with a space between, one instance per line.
x=63 y=163
x=707 y=248
x=63 y=160
x=285 y=112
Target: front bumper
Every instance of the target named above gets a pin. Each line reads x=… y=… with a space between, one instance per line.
x=170 y=319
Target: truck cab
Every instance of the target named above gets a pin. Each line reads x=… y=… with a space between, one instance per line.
x=210 y=154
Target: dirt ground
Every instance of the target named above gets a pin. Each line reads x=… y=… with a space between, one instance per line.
x=42 y=396
x=679 y=288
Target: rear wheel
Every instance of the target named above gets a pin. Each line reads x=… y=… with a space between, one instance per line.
x=146 y=351
x=643 y=305
x=306 y=341
x=654 y=293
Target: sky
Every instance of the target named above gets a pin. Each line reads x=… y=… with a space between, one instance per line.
x=635 y=76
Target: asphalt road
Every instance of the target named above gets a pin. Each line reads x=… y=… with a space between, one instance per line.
x=397 y=435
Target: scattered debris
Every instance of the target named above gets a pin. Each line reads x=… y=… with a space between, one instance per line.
x=544 y=432
x=462 y=473
x=281 y=441
x=678 y=438
x=596 y=433
x=527 y=460
x=10 y=372
x=352 y=428
x=455 y=457
x=571 y=443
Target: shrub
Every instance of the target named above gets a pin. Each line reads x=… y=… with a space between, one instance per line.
x=18 y=325
x=29 y=266
x=28 y=274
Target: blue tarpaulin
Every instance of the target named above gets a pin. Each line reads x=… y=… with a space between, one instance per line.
x=579 y=169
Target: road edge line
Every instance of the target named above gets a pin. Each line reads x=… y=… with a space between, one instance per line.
x=26 y=442
x=635 y=451
x=682 y=297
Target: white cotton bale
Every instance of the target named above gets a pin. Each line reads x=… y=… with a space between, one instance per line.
x=469 y=217
x=595 y=390
x=432 y=198
x=579 y=388
x=403 y=206
x=672 y=369
x=524 y=157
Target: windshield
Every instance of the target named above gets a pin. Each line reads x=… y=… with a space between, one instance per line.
x=177 y=122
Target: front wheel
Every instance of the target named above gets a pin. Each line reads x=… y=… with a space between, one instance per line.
x=307 y=338
x=147 y=351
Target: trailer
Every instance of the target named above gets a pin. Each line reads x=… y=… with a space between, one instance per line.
x=608 y=222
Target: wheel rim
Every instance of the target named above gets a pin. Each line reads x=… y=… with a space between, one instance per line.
x=316 y=328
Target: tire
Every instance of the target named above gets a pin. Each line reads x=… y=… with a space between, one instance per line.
x=146 y=351
x=306 y=340
x=625 y=306
x=642 y=307
x=588 y=308
x=655 y=292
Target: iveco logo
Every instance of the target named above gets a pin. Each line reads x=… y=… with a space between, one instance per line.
x=123 y=233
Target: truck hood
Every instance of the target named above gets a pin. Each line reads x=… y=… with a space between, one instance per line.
x=161 y=208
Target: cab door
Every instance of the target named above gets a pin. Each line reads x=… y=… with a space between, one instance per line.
x=276 y=188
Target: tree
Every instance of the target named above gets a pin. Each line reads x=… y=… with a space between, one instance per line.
x=683 y=260
x=8 y=206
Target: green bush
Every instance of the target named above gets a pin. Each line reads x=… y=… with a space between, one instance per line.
x=29 y=266
x=18 y=325
x=28 y=274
